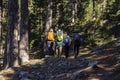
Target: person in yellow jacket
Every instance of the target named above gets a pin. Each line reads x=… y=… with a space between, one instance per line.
x=50 y=42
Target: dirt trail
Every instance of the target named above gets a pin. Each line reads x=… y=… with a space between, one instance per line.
x=102 y=64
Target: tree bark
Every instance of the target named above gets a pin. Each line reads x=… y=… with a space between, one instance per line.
x=94 y=11
x=0 y=26
x=57 y=15
x=24 y=46
x=48 y=21
x=74 y=13
x=11 y=48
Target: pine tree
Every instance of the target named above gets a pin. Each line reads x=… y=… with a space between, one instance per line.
x=11 y=48
x=24 y=53
x=0 y=26
x=48 y=21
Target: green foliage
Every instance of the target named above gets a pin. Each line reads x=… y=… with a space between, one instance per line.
x=37 y=16
x=98 y=23
x=4 y=20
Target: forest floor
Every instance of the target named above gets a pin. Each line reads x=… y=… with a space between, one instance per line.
x=102 y=63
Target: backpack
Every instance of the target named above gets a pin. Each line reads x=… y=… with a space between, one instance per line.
x=67 y=40
x=60 y=35
x=77 y=40
x=76 y=37
x=50 y=36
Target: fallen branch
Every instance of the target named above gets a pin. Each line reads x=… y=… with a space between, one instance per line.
x=75 y=74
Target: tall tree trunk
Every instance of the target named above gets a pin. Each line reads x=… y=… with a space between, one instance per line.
x=11 y=49
x=24 y=46
x=0 y=26
x=61 y=14
x=57 y=14
x=74 y=13
x=48 y=21
x=94 y=11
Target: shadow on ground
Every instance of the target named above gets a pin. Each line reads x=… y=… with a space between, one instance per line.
x=102 y=63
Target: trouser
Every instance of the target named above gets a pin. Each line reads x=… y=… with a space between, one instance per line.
x=66 y=50
x=76 y=50
x=50 y=44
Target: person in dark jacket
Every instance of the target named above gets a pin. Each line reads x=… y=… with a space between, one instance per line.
x=76 y=40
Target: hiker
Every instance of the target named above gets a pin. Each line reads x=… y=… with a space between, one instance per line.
x=66 y=44
x=50 y=42
x=76 y=40
x=59 y=42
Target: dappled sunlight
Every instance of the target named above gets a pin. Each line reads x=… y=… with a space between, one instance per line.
x=106 y=67
x=83 y=67
x=99 y=57
x=6 y=74
x=94 y=66
x=94 y=79
x=25 y=32
x=30 y=66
